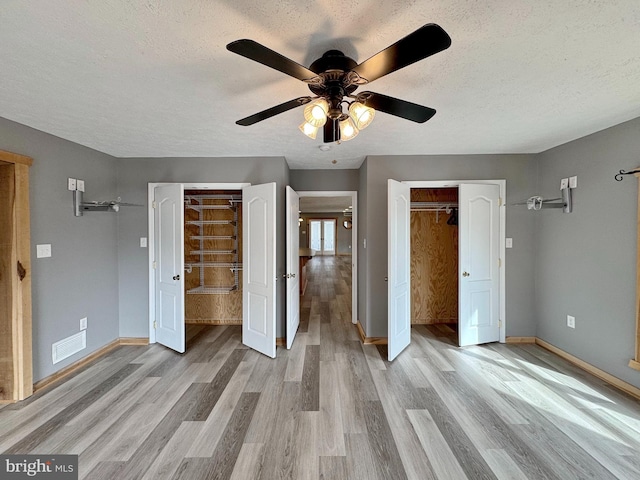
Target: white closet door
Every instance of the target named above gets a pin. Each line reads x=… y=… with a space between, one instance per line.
x=169 y=281
x=293 y=264
x=399 y=271
x=259 y=270
x=479 y=276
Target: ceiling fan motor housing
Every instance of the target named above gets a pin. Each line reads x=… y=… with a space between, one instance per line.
x=332 y=67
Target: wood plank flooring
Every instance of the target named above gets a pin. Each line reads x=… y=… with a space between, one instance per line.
x=331 y=408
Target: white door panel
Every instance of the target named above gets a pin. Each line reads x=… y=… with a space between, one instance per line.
x=259 y=272
x=479 y=251
x=399 y=268
x=169 y=248
x=293 y=264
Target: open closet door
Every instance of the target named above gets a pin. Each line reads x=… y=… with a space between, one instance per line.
x=399 y=271
x=293 y=264
x=259 y=270
x=479 y=275
x=169 y=266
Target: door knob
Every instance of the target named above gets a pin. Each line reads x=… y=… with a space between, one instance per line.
x=176 y=277
x=465 y=274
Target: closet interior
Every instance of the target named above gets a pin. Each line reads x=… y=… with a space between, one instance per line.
x=434 y=255
x=213 y=257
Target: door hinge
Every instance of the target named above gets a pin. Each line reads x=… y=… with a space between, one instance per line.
x=500 y=323
x=155 y=325
x=499 y=263
x=154 y=265
x=500 y=201
x=154 y=204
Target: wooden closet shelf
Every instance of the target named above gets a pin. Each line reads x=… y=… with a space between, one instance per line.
x=232 y=266
x=212 y=290
x=212 y=252
x=211 y=222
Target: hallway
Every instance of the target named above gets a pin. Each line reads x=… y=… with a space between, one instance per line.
x=331 y=408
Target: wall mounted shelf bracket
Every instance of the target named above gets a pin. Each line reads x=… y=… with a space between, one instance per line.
x=80 y=206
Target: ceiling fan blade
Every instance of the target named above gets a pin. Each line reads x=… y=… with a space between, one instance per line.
x=261 y=54
x=270 y=112
x=331 y=131
x=395 y=106
x=420 y=44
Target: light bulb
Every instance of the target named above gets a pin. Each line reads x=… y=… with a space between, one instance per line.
x=348 y=129
x=309 y=130
x=315 y=113
x=361 y=114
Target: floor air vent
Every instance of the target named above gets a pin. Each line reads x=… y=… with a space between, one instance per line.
x=70 y=345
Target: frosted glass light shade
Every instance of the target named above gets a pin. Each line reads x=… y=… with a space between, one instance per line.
x=348 y=130
x=315 y=113
x=309 y=130
x=361 y=114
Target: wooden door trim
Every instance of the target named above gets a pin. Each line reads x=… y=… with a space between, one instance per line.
x=20 y=287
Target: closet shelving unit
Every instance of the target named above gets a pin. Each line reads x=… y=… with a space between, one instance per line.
x=217 y=239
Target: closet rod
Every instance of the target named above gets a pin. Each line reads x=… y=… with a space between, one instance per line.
x=432 y=206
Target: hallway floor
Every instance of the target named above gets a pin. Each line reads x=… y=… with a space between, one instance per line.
x=331 y=408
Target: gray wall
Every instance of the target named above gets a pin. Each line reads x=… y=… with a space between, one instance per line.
x=343 y=246
x=520 y=173
x=134 y=175
x=329 y=180
x=586 y=260
x=81 y=277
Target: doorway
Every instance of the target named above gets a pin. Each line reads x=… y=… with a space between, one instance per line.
x=343 y=206
x=480 y=272
x=222 y=229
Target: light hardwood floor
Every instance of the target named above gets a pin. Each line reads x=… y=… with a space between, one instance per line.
x=331 y=408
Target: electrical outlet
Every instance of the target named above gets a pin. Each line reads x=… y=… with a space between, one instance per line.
x=571 y=321
x=83 y=323
x=71 y=184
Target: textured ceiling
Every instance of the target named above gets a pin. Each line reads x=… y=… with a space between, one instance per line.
x=153 y=78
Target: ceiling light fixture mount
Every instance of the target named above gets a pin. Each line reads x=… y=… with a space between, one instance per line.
x=334 y=77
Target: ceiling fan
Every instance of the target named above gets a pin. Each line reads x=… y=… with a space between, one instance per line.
x=334 y=77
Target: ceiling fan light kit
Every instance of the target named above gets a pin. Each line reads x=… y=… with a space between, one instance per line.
x=334 y=77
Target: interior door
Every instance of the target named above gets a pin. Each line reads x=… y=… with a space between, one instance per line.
x=259 y=271
x=399 y=271
x=479 y=251
x=169 y=265
x=293 y=264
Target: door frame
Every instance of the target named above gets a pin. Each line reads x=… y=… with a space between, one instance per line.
x=19 y=289
x=354 y=239
x=151 y=232
x=503 y=216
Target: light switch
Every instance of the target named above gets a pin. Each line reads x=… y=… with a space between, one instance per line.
x=573 y=182
x=509 y=243
x=71 y=184
x=80 y=185
x=564 y=183
x=43 y=251
x=143 y=242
